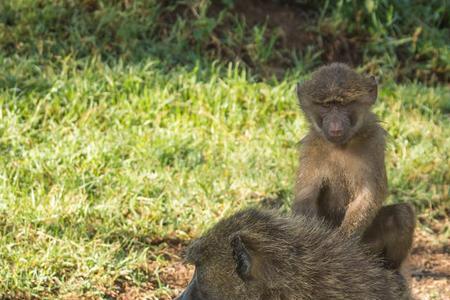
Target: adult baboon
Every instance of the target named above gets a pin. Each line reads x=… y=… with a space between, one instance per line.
x=261 y=255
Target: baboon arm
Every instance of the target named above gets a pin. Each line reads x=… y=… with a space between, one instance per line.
x=306 y=197
x=360 y=212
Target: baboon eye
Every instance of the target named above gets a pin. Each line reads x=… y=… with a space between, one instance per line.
x=333 y=103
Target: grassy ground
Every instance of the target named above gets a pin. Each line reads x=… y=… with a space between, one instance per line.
x=106 y=161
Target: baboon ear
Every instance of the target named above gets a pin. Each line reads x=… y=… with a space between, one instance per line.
x=241 y=257
x=373 y=90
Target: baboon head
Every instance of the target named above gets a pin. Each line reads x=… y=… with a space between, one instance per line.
x=336 y=101
x=235 y=260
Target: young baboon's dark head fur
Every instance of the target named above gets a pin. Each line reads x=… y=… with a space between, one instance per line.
x=337 y=100
x=256 y=255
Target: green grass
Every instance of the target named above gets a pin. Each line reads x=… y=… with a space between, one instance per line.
x=108 y=145
x=407 y=40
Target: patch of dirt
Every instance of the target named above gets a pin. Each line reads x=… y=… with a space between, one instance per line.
x=298 y=26
x=430 y=268
x=177 y=276
x=291 y=20
x=170 y=275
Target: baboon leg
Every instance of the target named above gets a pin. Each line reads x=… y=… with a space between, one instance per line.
x=391 y=233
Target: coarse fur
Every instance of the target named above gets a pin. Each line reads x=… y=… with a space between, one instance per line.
x=261 y=255
x=342 y=175
x=391 y=234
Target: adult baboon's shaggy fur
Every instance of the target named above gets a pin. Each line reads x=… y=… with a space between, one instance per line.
x=260 y=255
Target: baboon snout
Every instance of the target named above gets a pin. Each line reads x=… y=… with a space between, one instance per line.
x=336 y=126
x=336 y=129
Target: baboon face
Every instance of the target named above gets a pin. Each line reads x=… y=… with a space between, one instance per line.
x=336 y=120
x=222 y=272
x=336 y=101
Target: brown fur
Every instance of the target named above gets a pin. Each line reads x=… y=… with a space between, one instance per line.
x=391 y=233
x=342 y=177
x=260 y=255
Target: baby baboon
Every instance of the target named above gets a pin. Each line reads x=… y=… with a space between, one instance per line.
x=342 y=176
x=258 y=254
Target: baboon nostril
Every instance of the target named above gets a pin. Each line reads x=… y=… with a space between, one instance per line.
x=336 y=132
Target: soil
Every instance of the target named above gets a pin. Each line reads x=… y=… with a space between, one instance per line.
x=296 y=25
x=430 y=268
